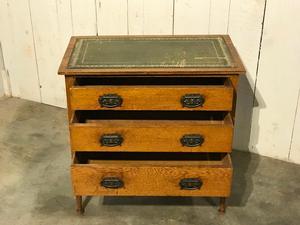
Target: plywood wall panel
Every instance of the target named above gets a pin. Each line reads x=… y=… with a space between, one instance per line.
x=18 y=49
x=84 y=18
x=51 y=37
x=158 y=17
x=294 y=154
x=245 y=29
x=150 y=17
x=112 y=17
x=2 y=69
x=218 y=17
x=278 y=80
x=191 y=16
x=136 y=17
x=3 y=35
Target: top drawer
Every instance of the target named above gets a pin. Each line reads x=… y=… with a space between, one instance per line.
x=151 y=93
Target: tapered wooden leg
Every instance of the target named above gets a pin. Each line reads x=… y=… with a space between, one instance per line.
x=222 y=205
x=79 y=206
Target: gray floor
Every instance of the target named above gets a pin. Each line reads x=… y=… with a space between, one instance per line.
x=35 y=182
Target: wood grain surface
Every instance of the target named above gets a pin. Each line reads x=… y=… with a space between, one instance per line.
x=69 y=82
x=153 y=178
x=152 y=97
x=152 y=135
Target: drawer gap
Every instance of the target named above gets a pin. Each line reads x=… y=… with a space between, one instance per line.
x=124 y=81
x=144 y=157
x=94 y=116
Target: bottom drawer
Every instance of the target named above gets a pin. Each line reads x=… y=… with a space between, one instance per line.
x=145 y=174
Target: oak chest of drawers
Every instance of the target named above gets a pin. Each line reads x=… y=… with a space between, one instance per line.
x=151 y=115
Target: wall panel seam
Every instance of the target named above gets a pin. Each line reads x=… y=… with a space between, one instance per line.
x=4 y=76
x=98 y=10
x=127 y=19
x=173 y=17
x=209 y=18
x=228 y=16
x=294 y=123
x=96 y=17
x=259 y=53
x=34 y=49
x=71 y=12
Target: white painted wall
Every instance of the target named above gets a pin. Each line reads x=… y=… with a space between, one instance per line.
x=34 y=34
x=278 y=83
x=5 y=89
x=1 y=88
x=294 y=151
x=2 y=69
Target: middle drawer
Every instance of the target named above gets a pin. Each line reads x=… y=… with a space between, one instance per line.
x=141 y=131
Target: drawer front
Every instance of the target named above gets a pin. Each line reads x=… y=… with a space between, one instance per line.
x=154 y=136
x=151 y=98
x=151 y=179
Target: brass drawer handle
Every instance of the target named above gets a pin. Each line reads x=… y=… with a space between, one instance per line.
x=112 y=182
x=110 y=100
x=111 y=140
x=192 y=140
x=192 y=100
x=190 y=183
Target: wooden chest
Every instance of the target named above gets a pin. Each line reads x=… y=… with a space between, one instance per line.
x=151 y=115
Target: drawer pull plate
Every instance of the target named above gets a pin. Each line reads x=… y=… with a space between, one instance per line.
x=111 y=140
x=112 y=182
x=110 y=100
x=192 y=140
x=190 y=184
x=192 y=100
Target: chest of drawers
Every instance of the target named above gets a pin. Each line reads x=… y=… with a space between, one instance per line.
x=151 y=115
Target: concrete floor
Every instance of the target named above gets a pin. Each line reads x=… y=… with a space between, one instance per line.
x=35 y=182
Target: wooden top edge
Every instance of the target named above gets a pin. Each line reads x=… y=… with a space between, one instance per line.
x=150 y=71
x=237 y=69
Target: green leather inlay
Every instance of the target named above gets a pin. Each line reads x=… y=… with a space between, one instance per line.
x=153 y=52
